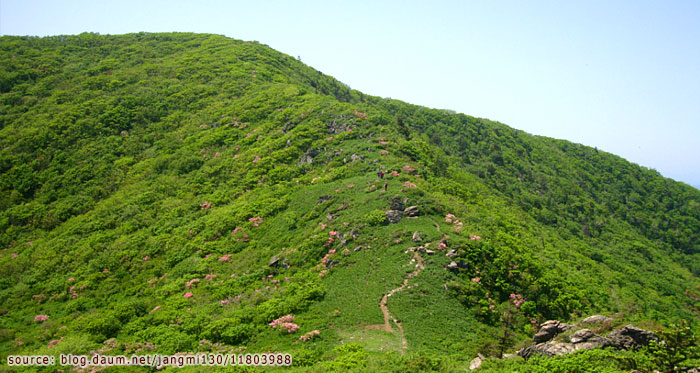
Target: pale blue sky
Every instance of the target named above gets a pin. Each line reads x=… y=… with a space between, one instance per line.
x=620 y=75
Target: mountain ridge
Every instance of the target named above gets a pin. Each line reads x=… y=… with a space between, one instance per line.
x=133 y=165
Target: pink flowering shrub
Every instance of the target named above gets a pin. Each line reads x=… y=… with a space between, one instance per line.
x=285 y=323
x=188 y=294
x=517 y=299
x=359 y=114
x=474 y=237
x=54 y=342
x=383 y=152
x=225 y=258
x=449 y=218
x=409 y=184
x=40 y=318
x=382 y=142
x=309 y=336
x=256 y=221
x=209 y=276
x=205 y=205
x=408 y=169
x=256 y=159
x=146 y=258
x=394 y=174
x=442 y=246
x=191 y=282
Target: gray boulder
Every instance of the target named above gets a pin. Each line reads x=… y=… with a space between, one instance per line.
x=394 y=216
x=416 y=237
x=595 y=319
x=397 y=204
x=549 y=330
x=411 y=211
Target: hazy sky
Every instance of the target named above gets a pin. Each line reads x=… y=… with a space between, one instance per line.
x=620 y=75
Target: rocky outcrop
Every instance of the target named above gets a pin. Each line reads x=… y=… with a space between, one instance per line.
x=476 y=362
x=394 y=216
x=397 y=204
x=546 y=343
x=631 y=337
x=596 y=319
x=549 y=330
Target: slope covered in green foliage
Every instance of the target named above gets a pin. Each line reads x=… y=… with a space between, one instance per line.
x=164 y=193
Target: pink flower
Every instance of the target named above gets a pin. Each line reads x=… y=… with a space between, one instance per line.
x=383 y=152
x=492 y=307
x=476 y=280
x=145 y=258
x=205 y=205
x=449 y=218
x=517 y=299
x=394 y=174
x=333 y=233
x=217 y=154
x=382 y=142
x=40 y=318
x=408 y=169
x=71 y=279
x=105 y=270
x=474 y=238
x=209 y=276
x=224 y=302
x=191 y=282
x=188 y=294
x=256 y=159
x=442 y=245
x=207 y=256
x=409 y=184
x=156 y=308
x=54 y=342
x=256 y=221
x=225 y=258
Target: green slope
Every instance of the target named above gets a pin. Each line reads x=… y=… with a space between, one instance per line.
x=148 y=179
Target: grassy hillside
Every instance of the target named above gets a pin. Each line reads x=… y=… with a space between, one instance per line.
x=164 y=193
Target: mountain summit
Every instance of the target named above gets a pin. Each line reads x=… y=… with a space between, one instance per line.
x=165 y=193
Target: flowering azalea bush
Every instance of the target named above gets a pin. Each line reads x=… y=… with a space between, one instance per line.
x=40 y=318
x=517 y=299
x=285 y=323
x=256 y=221
x=309 y=336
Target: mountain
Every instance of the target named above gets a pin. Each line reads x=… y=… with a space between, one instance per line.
x=166 y=193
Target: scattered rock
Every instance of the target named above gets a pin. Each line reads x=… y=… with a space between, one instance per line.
x=273 y=261
x=416 y=237
x=397 y=204
x=596 y=319
x=411 y=211
x=476 y=363
x=452 y=265
x=331 y=216
x=451 y=253
x=429 y=252
x=631 y=337
x=354 y=157
x=359 y=248
x=308 y=157
x=549 y=329
x=394 y=216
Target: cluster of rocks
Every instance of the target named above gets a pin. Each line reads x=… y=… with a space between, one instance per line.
x=397 y=211
x=545 y=342
x=626 y=338
x=422 y=249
